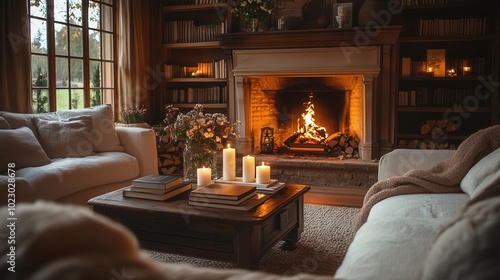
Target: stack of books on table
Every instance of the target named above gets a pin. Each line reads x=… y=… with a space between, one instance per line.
x=270 y=188
x=226 y=196
x=156 y=187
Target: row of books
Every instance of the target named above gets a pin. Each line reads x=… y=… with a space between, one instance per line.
x=186 y=31
x=157 y=187
x=192 y=2
x=227 y=196
x=215 y=69
x=214 y=94
x=446 y=27
x=430 y=2
x=438 y=97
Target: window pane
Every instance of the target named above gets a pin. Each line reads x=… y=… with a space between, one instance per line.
x=38 y=8
x=62 y=99
x=107 y=96
x=94 y=15
x=76 y=73
x=76 y=42
x=39 y=73
x=95 y=97
x=61 y=34
x=77 y=99
x=107 y=18
x=38 y=36
x=95 y=74
x=107 y=46
x=62 y=76
x=107 y=75
x=60 y=11
x=40 y=98
x=75 y=12
x=94 y=44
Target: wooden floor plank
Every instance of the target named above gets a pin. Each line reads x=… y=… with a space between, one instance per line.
x=348 y=197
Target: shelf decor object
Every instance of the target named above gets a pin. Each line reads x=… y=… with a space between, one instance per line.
x=253 y=12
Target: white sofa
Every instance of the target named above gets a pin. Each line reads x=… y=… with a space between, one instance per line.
x=78 y=163
x=409 y=237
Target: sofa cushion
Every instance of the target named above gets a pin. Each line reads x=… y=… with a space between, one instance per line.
x=484 y=173
x=469 y=247
x=65 y=176
x=103 y=134
x=4 y=124
x=20 y=146
x=17 y=120
x=65 y=138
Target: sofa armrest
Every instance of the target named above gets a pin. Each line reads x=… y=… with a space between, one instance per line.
x=400 y=161
x=140 y=143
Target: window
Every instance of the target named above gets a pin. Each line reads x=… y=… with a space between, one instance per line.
x=72 y=53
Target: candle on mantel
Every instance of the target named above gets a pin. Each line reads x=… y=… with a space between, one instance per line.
x=229 y=164
x=263 y=174
x=248 y=169
x=204 y=176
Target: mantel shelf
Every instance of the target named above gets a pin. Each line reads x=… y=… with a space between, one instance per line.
x=309 y=38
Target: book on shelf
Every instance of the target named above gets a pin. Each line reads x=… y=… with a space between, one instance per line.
x=128 y=192
x=162 y=182
x=222 y=201
x=223 y=191
x=272 y=187
x=244 y=206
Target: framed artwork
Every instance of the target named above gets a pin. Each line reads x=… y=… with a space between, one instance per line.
x=436 y=62
x=342 y=15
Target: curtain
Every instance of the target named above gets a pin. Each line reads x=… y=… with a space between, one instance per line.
x=134 y=73
x=15 y=62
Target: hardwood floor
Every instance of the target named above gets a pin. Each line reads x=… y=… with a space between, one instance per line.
x=348 y=197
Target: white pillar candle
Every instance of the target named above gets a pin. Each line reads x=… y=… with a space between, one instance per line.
x=263 y=174
x=228 y=164
x=204 y=176
x=248 y=169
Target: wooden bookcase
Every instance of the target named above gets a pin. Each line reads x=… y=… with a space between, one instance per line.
x=193 y=62
x=437 y=107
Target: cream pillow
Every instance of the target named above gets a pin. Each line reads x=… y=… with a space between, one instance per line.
x=103 y=134
x=485 y=173
x=19 y=146
x=65 y=138
x=4 y=124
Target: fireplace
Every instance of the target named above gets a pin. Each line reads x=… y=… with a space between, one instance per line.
x=272 y=84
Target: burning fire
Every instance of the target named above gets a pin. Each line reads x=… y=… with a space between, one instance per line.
x=308 y=131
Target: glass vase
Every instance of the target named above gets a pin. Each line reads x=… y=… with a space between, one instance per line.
x=254 y=24
x=198 y=155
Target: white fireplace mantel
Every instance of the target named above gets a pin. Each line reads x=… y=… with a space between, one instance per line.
x=310 y=62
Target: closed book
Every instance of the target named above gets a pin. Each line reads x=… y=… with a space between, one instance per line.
x=223 y=191
x=244 y=206
x=272 y=189
x=127 y=192
x=222 y=201
x=157 y=181
x=156 y=191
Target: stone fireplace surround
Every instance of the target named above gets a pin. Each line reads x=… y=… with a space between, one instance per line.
x=317 y=53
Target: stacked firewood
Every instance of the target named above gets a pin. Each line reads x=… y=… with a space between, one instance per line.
x=169 y=153
x=340 y=144
x=437 y=132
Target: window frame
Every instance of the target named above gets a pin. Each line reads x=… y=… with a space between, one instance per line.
x=86 y=71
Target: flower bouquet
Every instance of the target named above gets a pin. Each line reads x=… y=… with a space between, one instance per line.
x=133 y=114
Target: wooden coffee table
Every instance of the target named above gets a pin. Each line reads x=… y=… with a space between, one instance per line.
x=240 y=237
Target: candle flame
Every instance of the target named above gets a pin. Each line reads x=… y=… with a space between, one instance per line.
x=228 y=146
x=262 y=163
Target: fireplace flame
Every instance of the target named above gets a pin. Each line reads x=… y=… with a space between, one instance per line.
x=310 y=132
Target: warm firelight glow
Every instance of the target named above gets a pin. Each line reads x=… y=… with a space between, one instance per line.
x=310 y=132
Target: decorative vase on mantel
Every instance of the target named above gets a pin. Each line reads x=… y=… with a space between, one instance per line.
x=197 y=155
x=254 y=24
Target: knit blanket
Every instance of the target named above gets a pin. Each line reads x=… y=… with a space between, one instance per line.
x=444 y=177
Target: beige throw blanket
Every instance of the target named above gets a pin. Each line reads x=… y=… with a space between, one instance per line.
x=444 y=177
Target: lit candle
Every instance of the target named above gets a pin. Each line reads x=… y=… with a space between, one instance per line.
x=228 y=164
x=248 y=169
x=204 y=176
x=263 y=174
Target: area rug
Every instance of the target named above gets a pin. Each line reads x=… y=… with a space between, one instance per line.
x=320 y=250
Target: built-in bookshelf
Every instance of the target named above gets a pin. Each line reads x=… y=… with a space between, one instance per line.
x=447 y=51
x=194 y=65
